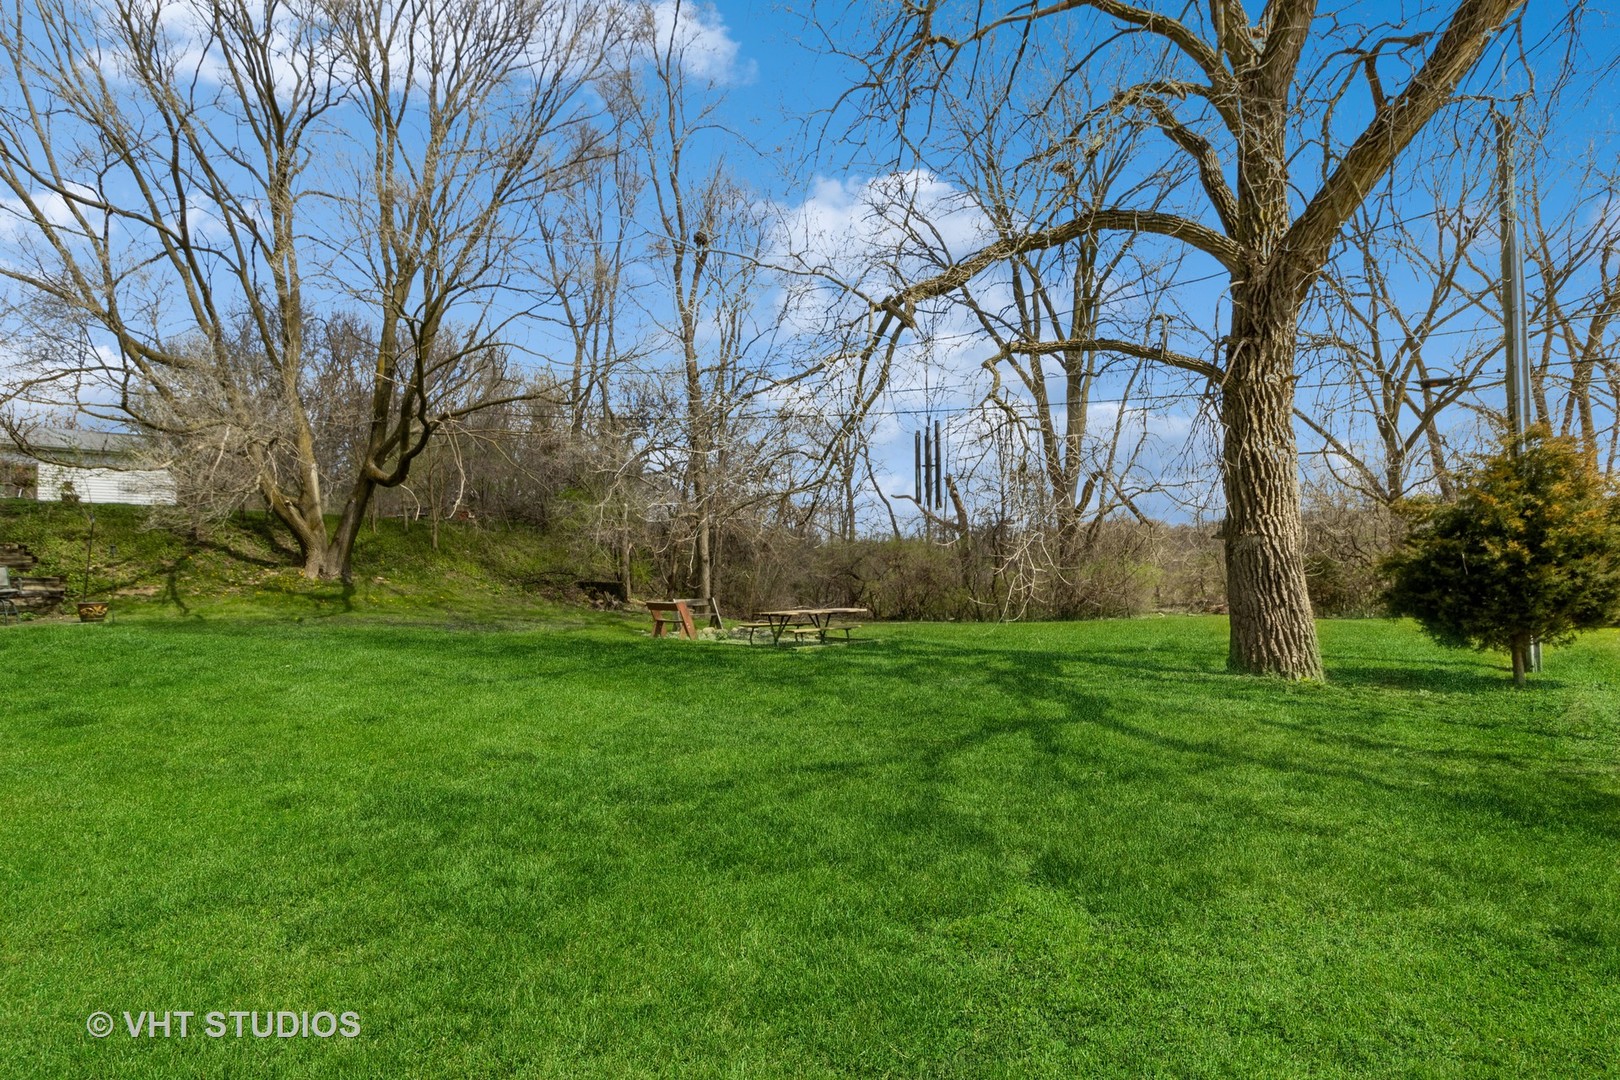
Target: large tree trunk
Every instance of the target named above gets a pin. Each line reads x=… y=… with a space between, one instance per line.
x=1272 y=628
x=626 y=553
x=340 y=557
x=330 y=556
x=1071 y=551
x=325 y=563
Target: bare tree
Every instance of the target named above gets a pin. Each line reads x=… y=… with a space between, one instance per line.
x=1403 y=328
x=1239 y=102
x=1574 y=310
x=1070 y=326
x=1408 y=322
x=708 y=235
x=181 y=170
x=589 y=256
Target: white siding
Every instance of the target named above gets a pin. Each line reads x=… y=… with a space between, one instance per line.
x=141 y=487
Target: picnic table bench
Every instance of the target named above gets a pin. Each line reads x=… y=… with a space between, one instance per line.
x=821 y=633
x=805 y=623
x=801 y=624
x=753 y=627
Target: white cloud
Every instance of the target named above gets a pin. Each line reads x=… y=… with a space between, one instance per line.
x=197 y=52
x=187 y=31
x=51 y=207
x=305 y=54
x=701 y=42
x=883 y=217
x=53 y=382
x=870 y=234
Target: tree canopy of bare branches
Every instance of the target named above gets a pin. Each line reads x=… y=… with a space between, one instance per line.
x=1283 y=124
x=191 y=183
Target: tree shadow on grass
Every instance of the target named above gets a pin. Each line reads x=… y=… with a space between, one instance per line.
x=1144 y=730
x=171 y=589
x=1395 y=673
x=898 y=738
x=224 y=547
x=890 y=769
x=1434 y=676
x=325 y=601
x=1531 y=783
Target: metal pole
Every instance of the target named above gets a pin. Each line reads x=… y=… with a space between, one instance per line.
x=1515 y=326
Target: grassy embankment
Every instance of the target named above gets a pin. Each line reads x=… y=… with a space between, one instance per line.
x=1025 y=851
x=479 y=572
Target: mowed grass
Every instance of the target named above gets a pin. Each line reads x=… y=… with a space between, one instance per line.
x=990 y=851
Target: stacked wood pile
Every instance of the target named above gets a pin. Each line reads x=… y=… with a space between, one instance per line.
x=36 y=594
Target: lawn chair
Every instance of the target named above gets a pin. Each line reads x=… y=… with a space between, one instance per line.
x=8 y=596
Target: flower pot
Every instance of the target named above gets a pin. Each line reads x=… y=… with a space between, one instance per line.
x=92 y=610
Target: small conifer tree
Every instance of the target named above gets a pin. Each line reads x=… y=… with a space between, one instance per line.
x=1530 y=549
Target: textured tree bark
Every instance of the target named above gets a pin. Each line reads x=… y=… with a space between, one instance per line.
x=1520 y=647
x=324 y=563
x=338 y=561
x=626 y=553
x=327 y=554
x=1273 y=631
x=705 y=555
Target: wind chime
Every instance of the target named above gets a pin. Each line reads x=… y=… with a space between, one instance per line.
x=930 y=459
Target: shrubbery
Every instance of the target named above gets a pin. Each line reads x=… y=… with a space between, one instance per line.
x=1531 y=549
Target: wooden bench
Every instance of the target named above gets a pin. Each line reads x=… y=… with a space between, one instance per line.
x=820 y=632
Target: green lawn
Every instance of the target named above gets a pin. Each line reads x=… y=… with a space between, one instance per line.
x=1003 y=851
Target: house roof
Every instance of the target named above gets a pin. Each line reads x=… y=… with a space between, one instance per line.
x=72 y=440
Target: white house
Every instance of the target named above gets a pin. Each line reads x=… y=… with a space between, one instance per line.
x=96 y=466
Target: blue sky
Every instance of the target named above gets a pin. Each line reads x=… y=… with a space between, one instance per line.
x=776 y=79
x=782 y=80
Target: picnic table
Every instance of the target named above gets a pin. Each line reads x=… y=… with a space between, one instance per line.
x=680 y=612
x=665 y=612
x=808 y=621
